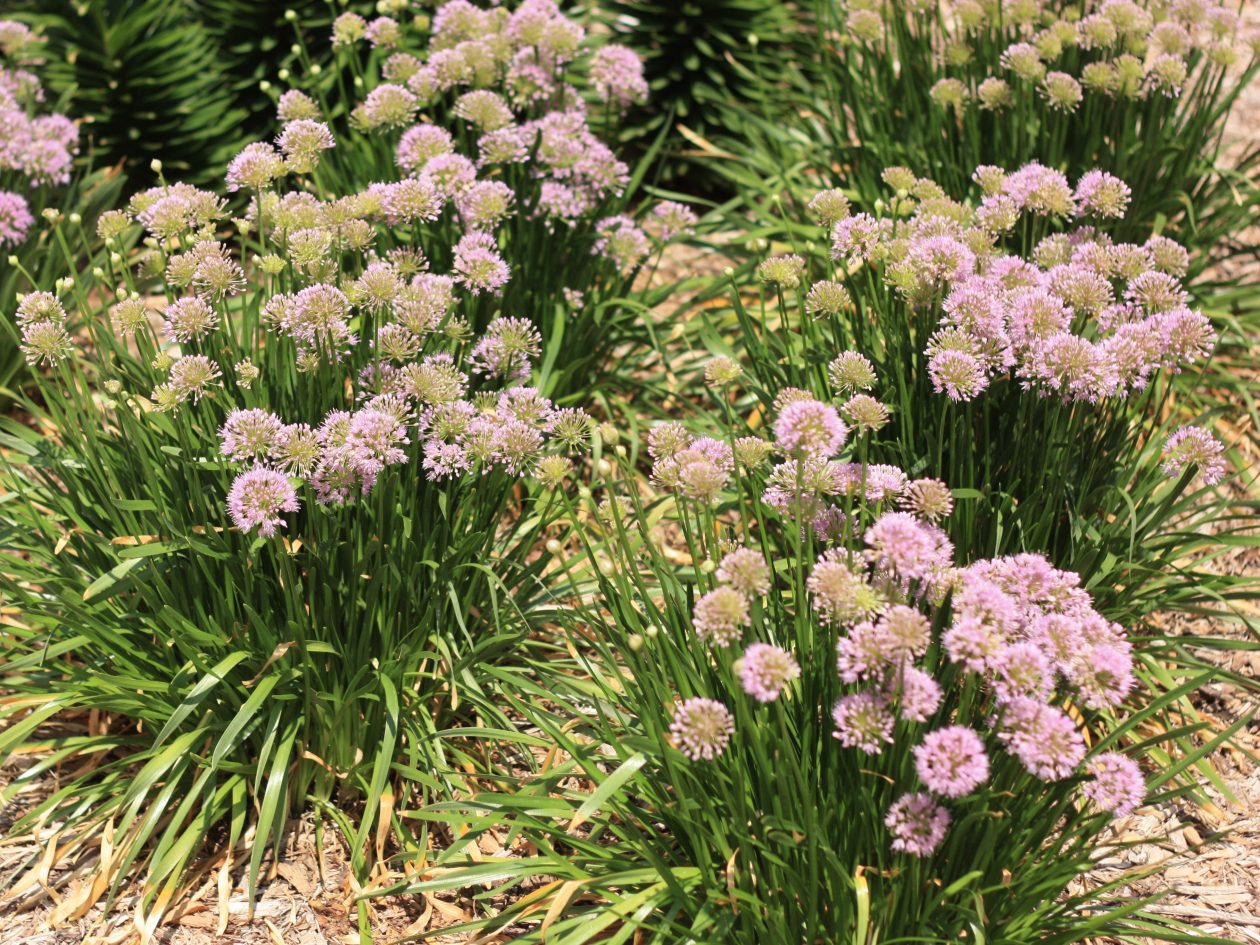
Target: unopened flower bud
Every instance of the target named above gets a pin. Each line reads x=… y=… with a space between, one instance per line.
x=51 y=214
x=13 y=261
x=707 y=566
x=316 y=69
x=604 y=467
x=635 y=642
x=264 y=85
x=291 y=15
x=98 y=272
x=283 y=75
x=554 y=547
x=651 y=630
x=76 y=219
x=156 y=165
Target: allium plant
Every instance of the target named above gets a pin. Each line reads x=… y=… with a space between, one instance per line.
x=801 y=714
x=38 y=146
x=1138 y=88
x=1016 y=348
x=268 y=524
x=490 y=126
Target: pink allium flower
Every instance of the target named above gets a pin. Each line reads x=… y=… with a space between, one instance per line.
x=444 y=460
x=478 y=265
x=856 y=237
x=190 y=319
x=1194 y=446
x=746 y=571
x=918 y=694
x=302 y=141
x=257 y=498
x=1102 y=674
x=918 y=824
x=1042 y=737
x=256 y=166
x=410 y=200
x=958 y=374
x=451 y=174
x=1102 y=195
x=721 y=615
x=863 y=653
x=903 y=544
x=810 y=427
x=15 y=218
x=863 y=720
x=765 y=671
x=1117 y=785
x=250 y=435
x=702 y=728
x=951 y=761
x=516 y=446
x=617 y=74
x=506 y=349
x=45 y=343
x=375 y=440
x=419 y=144
x=670 y=219
x=1022 y=669
x=622 y=241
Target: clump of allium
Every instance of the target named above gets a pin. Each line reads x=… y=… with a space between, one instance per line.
x=917 y=823
x=257 y=499
x=765 y=671
x=1194 y=446
x=702 y=729
x=1116 y=784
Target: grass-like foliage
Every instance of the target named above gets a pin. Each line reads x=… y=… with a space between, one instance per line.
x=797 y=713
x=1139 y=89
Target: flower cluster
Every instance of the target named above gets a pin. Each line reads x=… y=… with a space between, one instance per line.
x=1123 y=50
x=903 y=619
x=36 y=150
x=1084 y=318
x=504 y=75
